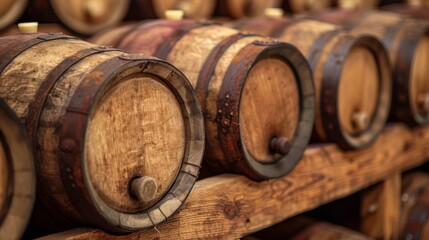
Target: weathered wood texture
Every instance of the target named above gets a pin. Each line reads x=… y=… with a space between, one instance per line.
x=380 y=209
x=244 y=8
x=10 y=11
x=414 y=220
x=307 y=228
x=17 y=176
x=257 y=131
x=232 y=206
x=99 y=120
x=84 y=17
x=345 y=68
x=407 y=42
x=195 y=9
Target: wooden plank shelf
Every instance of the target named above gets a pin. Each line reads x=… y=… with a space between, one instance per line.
x=232 y=206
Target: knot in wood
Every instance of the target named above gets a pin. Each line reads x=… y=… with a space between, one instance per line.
x=230 y=211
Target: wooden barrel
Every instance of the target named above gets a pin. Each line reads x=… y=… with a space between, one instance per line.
x=299 y=6
x=10 y=11
x=256 y=94
x=414 y=219
x=351 y=75
x=419 y=12
x=245 y=8
x=407 y=42
x=118 y=137
x=84 y=17
x=17 y=176
x=196 y=9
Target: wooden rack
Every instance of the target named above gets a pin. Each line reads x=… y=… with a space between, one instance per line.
x=232 y=206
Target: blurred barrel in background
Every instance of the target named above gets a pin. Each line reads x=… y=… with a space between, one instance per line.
x=245 y=8
x=10 y=11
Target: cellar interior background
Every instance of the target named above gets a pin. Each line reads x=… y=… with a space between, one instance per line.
x=214 y=119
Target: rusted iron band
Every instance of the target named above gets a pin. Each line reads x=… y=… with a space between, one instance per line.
x=316 y=50
x=36 y=107
x=16 y=50
x=72 y=135
x=165 y=48
x=210 y=64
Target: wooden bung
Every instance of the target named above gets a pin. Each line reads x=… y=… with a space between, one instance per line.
x=407 y=42
x=84 y=17
x=118 y=138
x=256 y=93
x=10 y=11
x=351 y=75
x=194 y=9
x=245 y=8
x=17 y=176
x=414 y=220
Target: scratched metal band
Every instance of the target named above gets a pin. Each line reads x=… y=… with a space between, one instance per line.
x=16 y=50
x=238 y=159
x=36 y=108
x=402 y=77
x=316 y=50
x=71 y=163
x=165 y=48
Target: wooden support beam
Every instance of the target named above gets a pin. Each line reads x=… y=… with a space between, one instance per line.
x=232 y=206
x=380 y=209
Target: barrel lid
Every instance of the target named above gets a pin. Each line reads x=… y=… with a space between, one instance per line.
x=139 y=129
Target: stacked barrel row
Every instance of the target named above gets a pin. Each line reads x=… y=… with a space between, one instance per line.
x=117 y=138
x=90 y=16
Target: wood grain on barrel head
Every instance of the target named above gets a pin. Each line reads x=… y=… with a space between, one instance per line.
x=213 y=92
x=137 y=130
x=4 y=176
x=359 y=89
x=269 y=107
x=90 y=16
x=419 y=85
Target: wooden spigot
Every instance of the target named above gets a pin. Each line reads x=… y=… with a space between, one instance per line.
x=280 y=145
x=423 y=102
x=28 y=27
x=174 y=14
x=360 y=121
x=144 y=188
x=274 y=13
